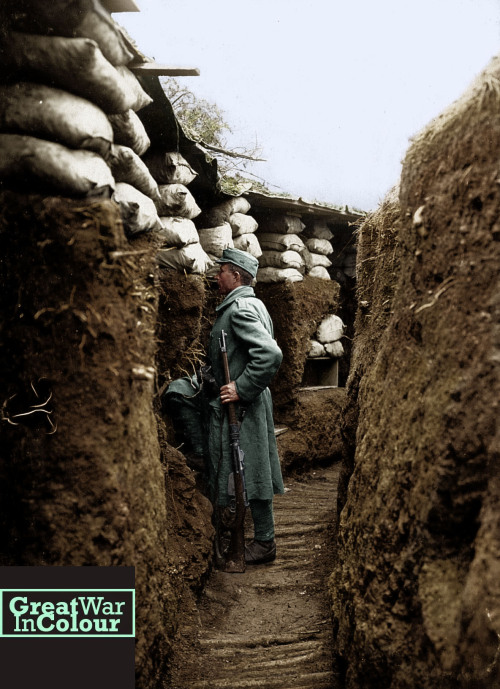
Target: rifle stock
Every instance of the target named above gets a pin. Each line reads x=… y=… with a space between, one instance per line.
x=235 y=557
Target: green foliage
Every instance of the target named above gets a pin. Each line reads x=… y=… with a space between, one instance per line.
x=200 y=119
x=205 y=123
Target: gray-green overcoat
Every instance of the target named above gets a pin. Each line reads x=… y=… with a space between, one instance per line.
x=254 y=357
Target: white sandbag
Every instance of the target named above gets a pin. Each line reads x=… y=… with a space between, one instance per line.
x=128 y=130
x=100 y=26
x=249 y=243
x=334 y=349
x=169 y=167
x=319 y=246
x=319 y=229
x=126 y=166
x=282 y=259
x=178 y=232
x=280 y=242
x=191 y=258
x=319 y=272
x=221 y=213
x=279 y=275
x=137 y=210
x=54 y=115
x=324 y=233
x=215 y=239
x=312 y=260
x=213 y=269
x=27 y=160
x=242 y=224
x=132 y=86
x=330 y=329
x=315 y=349
x=177 y=200
x=282 y=224
x=74 y=64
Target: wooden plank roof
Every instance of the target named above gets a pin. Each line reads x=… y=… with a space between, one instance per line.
x=299 y=206
x=120 y=5
x=164 y=70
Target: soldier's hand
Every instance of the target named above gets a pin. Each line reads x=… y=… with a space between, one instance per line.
x=228 y=393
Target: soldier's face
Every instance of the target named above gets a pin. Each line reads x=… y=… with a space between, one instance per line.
x=226 y=280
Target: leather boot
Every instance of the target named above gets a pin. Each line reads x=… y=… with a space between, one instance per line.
x=259 y=552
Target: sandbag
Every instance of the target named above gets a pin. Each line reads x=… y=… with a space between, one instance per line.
x=132 y=86
x=334 y=349
x=279 y=275
x=74 y=64
x=191 y=258
x=319 y=272
x=126 y=166
x=319 y=246
x=85 y=18
x=242 y=224
x=319 y=229
x=27 y=160
x=100 y=26
x=282 y=224
x=128 y=130
x=330 y=329
x=249 y=243
x=177 y=200
x=137 y=210
x=215 y=239
x=218 y=215
x=178 y=232
x=316 y=349
x=54 y=115
x=312 y=260
x=280 y=242
x=169 y=167
x=282 y=259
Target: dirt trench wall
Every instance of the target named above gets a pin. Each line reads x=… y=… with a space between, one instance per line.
x=78 y=325
x=415 y=593
x=378 y=255
x=313 y=437
x=297 y=308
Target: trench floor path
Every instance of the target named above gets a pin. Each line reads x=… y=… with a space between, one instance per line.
x=270 y=628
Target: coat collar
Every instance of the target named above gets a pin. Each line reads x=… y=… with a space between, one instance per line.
x=243 y=291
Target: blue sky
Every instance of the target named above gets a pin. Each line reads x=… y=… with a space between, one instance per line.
x=332 y=91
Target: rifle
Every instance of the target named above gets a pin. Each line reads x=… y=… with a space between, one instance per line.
x=235 y=556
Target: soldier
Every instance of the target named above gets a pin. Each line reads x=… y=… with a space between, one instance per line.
x=254 y=358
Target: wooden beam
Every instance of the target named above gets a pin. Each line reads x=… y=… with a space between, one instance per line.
x=164 y=70
x=120 y=6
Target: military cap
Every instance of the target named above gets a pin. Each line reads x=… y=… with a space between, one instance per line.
x=242 y=259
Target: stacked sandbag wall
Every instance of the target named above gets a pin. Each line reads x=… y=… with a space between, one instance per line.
x=68 y=97
x=318 y=248
x=181 y=250
x=69 y=125
x=327 y=340
x=282 y=248
x=228 y=225
x=415 y=593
